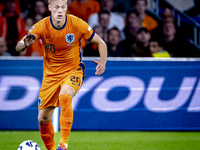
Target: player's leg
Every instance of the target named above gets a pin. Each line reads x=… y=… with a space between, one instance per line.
x=46 y=127
x=69 y=88
x=66 y=116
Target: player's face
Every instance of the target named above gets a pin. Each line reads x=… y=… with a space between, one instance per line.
x=58 y=9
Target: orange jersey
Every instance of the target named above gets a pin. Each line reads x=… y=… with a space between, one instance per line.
x=61 y=45
x=36 y=49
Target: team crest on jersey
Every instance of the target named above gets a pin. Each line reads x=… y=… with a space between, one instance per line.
x=70 y=38
x=39 y=101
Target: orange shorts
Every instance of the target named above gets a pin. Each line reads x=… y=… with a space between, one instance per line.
x=49 y=92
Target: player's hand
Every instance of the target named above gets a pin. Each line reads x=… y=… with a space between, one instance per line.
x=29 y=40
x=100 y=68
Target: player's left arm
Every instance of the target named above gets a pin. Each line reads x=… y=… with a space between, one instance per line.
x=101 y=64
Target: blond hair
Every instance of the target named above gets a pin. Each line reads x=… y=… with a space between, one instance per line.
x=49 y=1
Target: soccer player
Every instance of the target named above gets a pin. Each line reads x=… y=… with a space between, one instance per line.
x=63 y=72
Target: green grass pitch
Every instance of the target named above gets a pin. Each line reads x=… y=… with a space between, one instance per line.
x=109 y=140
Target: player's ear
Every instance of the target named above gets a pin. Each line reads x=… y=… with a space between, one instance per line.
x=49 y=7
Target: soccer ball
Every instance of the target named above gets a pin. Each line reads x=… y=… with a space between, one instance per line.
x=28 y=145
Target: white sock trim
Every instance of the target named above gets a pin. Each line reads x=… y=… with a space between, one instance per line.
x=66 y=145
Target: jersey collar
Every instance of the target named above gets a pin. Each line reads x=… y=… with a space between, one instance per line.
x=62 y=26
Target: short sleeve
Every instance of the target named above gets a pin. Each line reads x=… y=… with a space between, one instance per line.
x=86 y=30
x=36 y=29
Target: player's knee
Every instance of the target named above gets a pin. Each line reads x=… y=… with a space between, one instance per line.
x=43 y=119
x=65 y=98
x=66 y=89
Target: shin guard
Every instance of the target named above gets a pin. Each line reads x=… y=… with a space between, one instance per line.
x=47 y=134
x=66 y=117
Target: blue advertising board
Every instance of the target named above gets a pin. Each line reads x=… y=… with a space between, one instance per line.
x=132 y=94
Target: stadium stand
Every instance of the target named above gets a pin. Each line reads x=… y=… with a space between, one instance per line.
x=183 y=21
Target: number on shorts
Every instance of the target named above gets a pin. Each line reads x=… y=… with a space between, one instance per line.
x=75 y=80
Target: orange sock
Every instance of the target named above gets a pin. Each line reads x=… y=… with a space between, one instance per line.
x=47 y=134
x=66 y=117
x=53 y=148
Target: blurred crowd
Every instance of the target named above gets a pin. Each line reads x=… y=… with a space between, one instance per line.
x=127 y=28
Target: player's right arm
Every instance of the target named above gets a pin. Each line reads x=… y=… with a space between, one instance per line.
x=25 y=42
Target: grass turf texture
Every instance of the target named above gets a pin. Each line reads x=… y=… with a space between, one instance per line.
x=102 y=140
